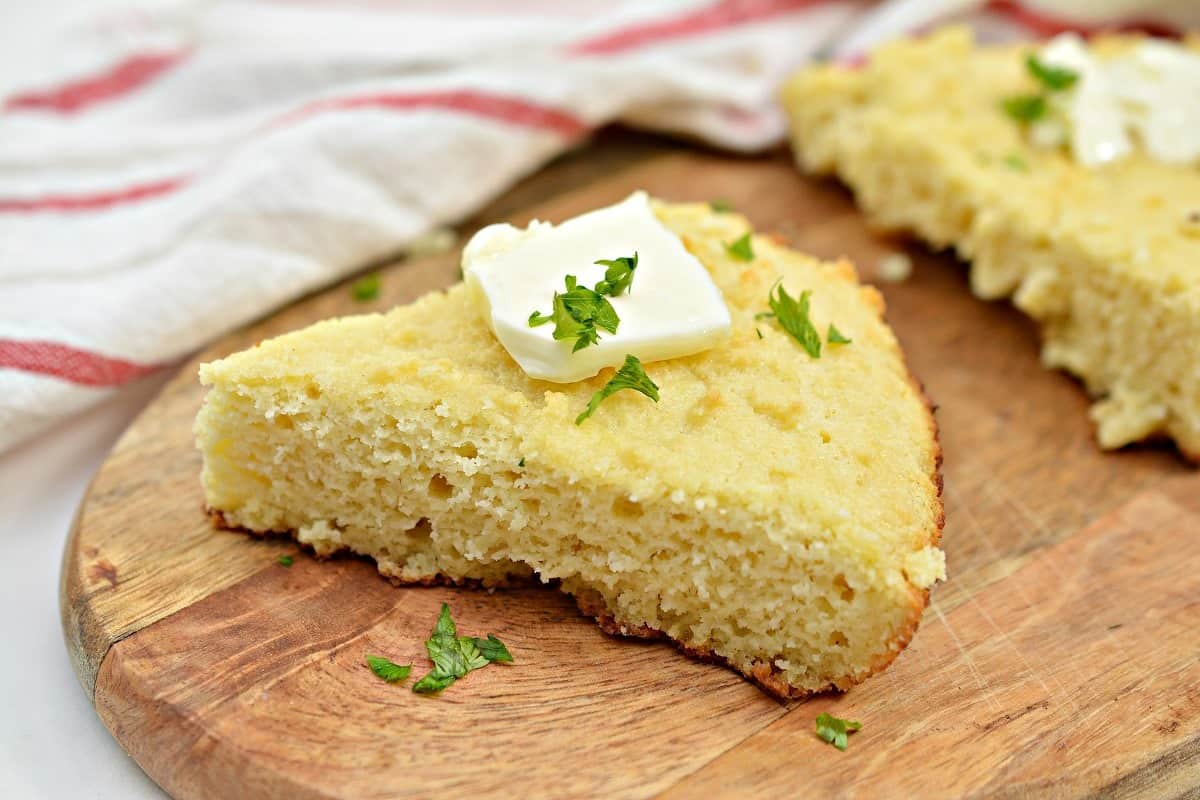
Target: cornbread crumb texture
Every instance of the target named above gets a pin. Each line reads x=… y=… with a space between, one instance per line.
x=776 y=511
x=1103 y=259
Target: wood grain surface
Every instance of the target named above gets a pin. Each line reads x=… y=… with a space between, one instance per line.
x=1062 y=657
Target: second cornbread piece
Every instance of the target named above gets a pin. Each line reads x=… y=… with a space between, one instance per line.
x=1106 y=260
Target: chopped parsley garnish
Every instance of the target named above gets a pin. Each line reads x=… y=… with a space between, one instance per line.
x=521 y=463
x=577 y=314
x=387 y=670
x=618 y=277
x=366 y=289
x=1032 y=107
x=756 y=330
x=792 y=315
x=453 y=656
x=720 y=206
x=433 y=682
x=1025 y=107
x=836 y=730
x=589 y=308
x=1053 y=78
x=285 y=561
x=493 y=649
x=741 y=249
x=1016 y=163
x=629 y=376
x=835 y=336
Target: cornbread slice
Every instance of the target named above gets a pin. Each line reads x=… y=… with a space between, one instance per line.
x=1106 y=260
x=775 y=511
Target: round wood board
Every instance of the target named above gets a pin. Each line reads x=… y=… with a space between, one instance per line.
x=1059 y=658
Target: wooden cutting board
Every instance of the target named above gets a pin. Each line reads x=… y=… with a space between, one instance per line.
x=1061 y=658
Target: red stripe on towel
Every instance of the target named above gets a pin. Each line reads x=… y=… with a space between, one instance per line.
x=119 y=79
x=91 y=201
x=724 y=14
x=502 y=108
x=81 y=367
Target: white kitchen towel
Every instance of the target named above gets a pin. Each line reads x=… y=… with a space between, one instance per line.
x=173 y=174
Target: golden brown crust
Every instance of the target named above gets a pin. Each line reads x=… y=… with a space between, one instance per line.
x=768 y=677
x=935 y=536
x=921 y=597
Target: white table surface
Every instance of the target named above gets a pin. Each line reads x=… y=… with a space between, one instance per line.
x=52 y=744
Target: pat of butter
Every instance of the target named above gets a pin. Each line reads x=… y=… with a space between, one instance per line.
x=1153 y=91
x=672 y=309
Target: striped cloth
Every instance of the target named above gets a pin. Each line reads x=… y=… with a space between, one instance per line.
x=173 y=175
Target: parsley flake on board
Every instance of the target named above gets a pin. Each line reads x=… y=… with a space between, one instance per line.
x=836 y=730
x=834 y=336
x=366 y=288
x=792 y=315
x=629 y=376
x=1053 y=78
x=577 y=313
x=453 y=656
x=742 y=249
x=433 y=683
x=1025 y=107
x=493 y=649
x=387 y=670
x=285 y=561
x=618 y=277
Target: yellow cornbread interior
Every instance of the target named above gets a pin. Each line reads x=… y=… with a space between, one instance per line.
x=1106 y=260
x=779 y=511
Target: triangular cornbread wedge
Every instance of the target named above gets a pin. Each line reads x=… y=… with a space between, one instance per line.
x=775 y=511
x=1107 y=260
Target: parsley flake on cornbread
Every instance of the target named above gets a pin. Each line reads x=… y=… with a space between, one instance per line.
x=631 y=375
